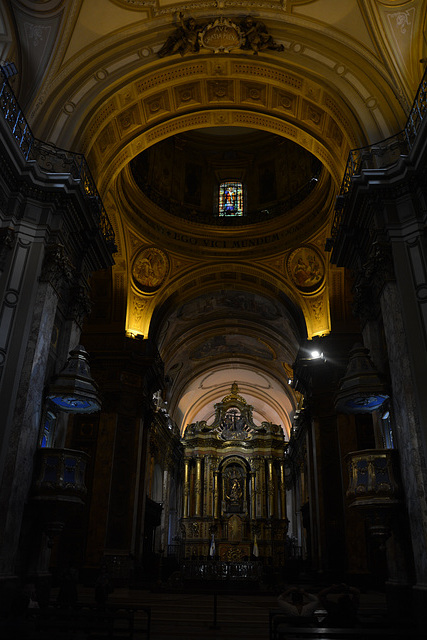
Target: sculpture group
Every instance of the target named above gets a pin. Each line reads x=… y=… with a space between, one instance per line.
x=222 y=35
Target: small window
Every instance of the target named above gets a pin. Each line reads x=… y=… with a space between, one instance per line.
x=231 y=199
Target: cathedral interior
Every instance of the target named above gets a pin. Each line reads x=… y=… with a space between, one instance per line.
x=213 y=278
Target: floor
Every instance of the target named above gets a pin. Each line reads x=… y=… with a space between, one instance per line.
x=222 y=616
x=196 y=615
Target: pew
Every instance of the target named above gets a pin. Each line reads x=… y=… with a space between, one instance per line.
x=283 y=627
x=89 y=622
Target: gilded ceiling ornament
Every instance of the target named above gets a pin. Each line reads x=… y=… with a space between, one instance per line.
x=306 y=269
x=150 y=268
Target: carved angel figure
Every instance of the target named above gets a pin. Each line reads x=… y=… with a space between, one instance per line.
x=184 y=40
x=256 y=36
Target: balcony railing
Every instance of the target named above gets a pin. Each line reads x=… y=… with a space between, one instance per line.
x=382 y=154
x=53 y=159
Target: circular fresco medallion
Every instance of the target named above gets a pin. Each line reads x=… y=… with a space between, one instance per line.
x=306 y=269
x=150 y=269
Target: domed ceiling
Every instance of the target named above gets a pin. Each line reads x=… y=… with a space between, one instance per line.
x=182 y=174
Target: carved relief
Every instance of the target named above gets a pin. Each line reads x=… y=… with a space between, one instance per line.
x=256 y=36
x=221 y=118
x=187 y=94
x=170 y=75
x=138 y=309
x=149 y=269
x=334 y=132
x=156 y=105
x=56 y=268
x=221 y=36
x=313 y=114
x=129 y=118
x=80 y=304
x=106 y=138
x=317 y=308
x=248 y=69
x=251 y=92
x=220 y=90
x=285 y=101
x=198 y=120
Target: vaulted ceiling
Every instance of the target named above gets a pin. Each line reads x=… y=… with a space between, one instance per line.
x=225 y=303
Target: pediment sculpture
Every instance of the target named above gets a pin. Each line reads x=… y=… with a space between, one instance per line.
x=220 y=36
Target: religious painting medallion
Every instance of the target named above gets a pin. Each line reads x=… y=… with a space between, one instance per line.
x=149 y=269
x=306 y=269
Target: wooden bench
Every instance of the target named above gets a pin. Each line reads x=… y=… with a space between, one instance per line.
x=283 y=627
x=89 y=622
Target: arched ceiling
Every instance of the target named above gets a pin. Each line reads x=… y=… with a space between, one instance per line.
x=225 y=304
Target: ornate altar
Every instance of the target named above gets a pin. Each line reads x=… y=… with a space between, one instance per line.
x=234 y=494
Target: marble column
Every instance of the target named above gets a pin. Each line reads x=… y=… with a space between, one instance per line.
x=26 y=346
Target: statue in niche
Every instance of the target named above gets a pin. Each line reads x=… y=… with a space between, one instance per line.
x=256 y=36
x=184 y=40
x=233 y=490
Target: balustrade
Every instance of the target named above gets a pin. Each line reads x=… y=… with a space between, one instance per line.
x=52 y=159
x=60 y=475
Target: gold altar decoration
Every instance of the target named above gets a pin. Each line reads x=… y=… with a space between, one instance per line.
x=234 y=486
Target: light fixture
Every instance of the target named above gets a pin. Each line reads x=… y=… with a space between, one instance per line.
x=316 y=354
x=361 y=389
x=74 y=390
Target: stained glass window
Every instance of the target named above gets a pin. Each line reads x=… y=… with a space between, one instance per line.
x=231 y=199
